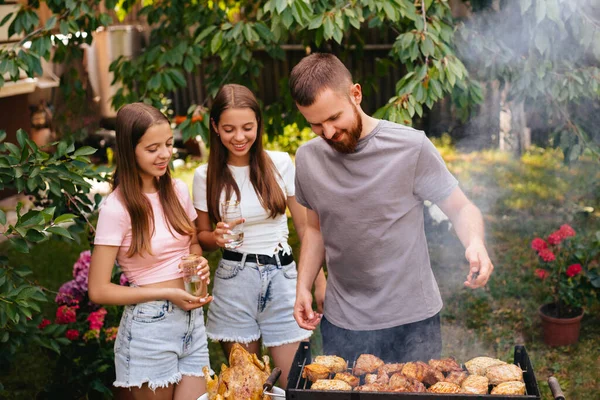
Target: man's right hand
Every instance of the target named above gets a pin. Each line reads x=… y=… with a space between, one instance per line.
x=303 y=312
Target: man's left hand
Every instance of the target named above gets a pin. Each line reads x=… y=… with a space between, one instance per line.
x=480 y=265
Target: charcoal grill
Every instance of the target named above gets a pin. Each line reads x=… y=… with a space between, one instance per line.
x=299 y=388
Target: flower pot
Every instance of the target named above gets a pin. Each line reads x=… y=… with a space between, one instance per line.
x=559 y=331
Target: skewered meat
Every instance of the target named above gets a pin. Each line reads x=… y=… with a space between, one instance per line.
x=514 y=387
x=367 y=364
x=445 y=364
x=475 y=384
x=478 y=365
x=330 y=384
x=348 y=378
x=504 y=373
x=334 y=363
x=444 y=387
x=456 y=377
x=315 y=372
x=390 y=368
x=242 y=380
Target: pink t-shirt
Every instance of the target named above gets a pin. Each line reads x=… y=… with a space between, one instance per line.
x=114 y=229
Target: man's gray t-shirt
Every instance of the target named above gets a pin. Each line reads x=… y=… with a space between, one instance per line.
x=370 y=208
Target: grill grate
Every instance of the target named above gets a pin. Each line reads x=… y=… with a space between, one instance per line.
x=299 y=388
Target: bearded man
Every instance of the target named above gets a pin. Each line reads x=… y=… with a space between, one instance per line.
x=364 y=182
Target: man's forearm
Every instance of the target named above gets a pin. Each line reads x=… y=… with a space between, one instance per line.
x=468 y=224
x=312 y=254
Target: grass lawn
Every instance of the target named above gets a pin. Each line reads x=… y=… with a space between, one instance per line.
x=520 y=199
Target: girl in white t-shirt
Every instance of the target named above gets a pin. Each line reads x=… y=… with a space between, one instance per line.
x=255 y=285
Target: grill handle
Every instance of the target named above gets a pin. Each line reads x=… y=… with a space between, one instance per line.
x=557 y=392
x=271 y=380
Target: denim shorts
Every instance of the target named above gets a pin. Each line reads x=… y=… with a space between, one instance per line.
x=251 y=301
x=158 y=343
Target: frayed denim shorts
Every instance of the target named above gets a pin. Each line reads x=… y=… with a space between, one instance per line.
x=158 y=343
x=251 y=301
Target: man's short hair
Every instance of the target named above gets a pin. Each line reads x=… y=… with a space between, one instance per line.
x=315 y=73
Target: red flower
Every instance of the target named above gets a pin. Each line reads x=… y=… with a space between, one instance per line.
x=547 y=255
x=542 y=273
x=555 y=238
x=96 y=319
x=66 y=314
x=573 y=270
x=45 y=322
x=539 y=244
x=72 y=334
x=567 y=231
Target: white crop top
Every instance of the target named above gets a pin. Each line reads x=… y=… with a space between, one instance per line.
x=262 y=235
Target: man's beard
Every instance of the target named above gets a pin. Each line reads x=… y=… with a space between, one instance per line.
x=349 y=137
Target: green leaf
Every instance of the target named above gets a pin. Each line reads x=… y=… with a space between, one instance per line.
x=2 y=218
x=84 y=151
x=59 y=230
x=316 y=22
x=34 y=236
x=20 y=244
x=51 y=23
x=390 y=12
x=540 y=10
x=280 y=5
x=178 y=77
x=215 y=43
x=205 y=32
x=65 y=218
x=6 y=18
x=427 y=47
x=2 y=136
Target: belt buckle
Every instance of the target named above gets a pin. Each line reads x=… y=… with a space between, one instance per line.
x=258 y=261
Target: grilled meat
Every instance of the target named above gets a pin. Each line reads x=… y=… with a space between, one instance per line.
x=514 y=387
x=432 y=375
x=478 y=365
x=415 y=370
x=444 y=387
x=475 y=384
x=331 y=384
x=504 y=373
x=456 y=377
x=401 y=383
x=367 y=364
x=445 y=364
x=315 y=372
x=372 y=387
x=334 y=363
x=370 y=378
x=390 y=369
x=348 y=378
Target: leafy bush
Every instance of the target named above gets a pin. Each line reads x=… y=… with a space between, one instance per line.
x=289 y=140
x=59 y=184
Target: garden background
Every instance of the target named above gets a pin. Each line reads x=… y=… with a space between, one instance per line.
x=508 y=90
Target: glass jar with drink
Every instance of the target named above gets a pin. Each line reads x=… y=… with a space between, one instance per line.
x=194 y=284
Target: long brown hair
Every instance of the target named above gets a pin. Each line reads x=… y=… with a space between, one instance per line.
x=262 y=170
x=133 y=120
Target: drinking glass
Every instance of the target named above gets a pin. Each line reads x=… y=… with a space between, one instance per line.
x=194 y=284
x=231 y=212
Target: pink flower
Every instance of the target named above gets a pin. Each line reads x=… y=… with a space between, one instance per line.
x=111 y=333
x=567 y=231
x=123 y=281
x=81 y=269
x=542 y=273
x=547 y=255
x=66 y=314
x=96 y=319
x=573 y=270
x=539 y=244
x=555 y=238
x=69 y=293
x=45 y=322
x=72 y=334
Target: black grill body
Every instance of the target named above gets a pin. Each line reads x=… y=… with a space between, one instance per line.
x=299 y=388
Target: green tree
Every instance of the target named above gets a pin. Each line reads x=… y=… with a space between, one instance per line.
x=222 y=36
x=545 y=53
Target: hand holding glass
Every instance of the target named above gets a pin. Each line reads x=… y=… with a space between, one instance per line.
x=194 y=284
x=231 y=214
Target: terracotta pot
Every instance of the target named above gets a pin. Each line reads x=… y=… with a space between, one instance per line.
x=559 y=331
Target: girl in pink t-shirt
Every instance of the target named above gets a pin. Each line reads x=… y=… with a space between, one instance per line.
x=147 y=224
